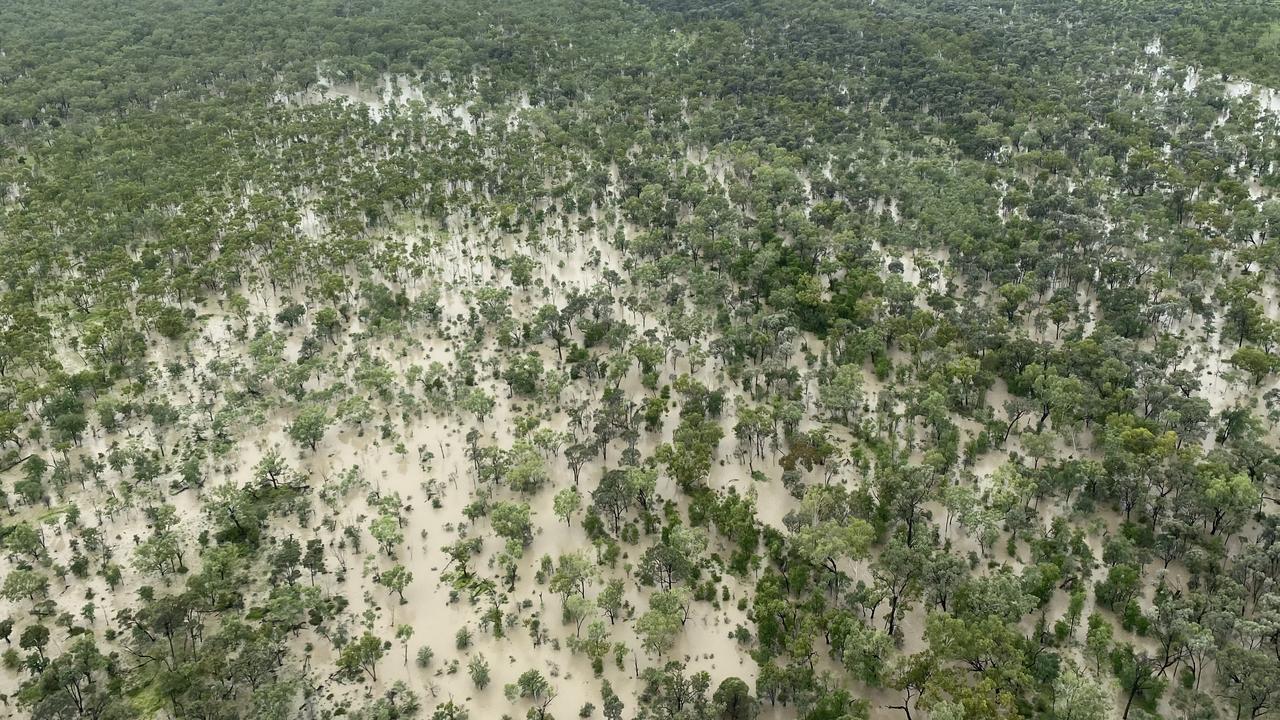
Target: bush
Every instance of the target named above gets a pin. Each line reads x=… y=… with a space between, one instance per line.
x=478 y=669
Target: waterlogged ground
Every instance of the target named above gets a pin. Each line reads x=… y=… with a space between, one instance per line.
x=411 y=448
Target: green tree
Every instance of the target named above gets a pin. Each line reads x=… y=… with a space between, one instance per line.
x=81 y=682
x=533 y=686
x=611 y=705
x=1250 y=680
x=1078 y=696
x=478 y=669
x=523 y=374
x=573 y=574
x=1256 y=362
x=386 y=530
x=674 y=559
x=449 y=710
x=733 y=700
x=404 y=633
x=396 y=580
x=478 y=403
x=309 y=426
x=511 y=520
x=22 y=539
x=34 y=637
x=660 y=626
x=1226 y=499
x=360 y=657
x=313 y=559
x=1137 y=672
x=23 y=583
x=566 y=504
x=841 y=396
x=610 y=599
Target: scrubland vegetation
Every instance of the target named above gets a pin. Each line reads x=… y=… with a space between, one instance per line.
x=687 y=361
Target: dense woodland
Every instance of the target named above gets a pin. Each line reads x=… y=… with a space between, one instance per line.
x=666 y=360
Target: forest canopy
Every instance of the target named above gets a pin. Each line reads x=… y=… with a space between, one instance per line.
x=674 y=360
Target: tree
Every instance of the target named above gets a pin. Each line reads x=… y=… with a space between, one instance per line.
x=229 y=502
x=449 y=710
x=595 y=645
x=611 y=704
x=1250 y=679
x=610 y=599
x=913 y=675
x=396 y=580
x=327 y=322
x=478 y=669
x=552 y=324
x=386 y=530
x=1256 y=362
x=841 y=395
x=612 y=497
x=840 y=705
x=284 y=564
x=577 y=455
x=1000 y=595
x=1077 y=696
x=660 y=626
x=1226 y=498
x=1122 y=584
x=576 y=609
x=674 y=559
x=81 y=682
x=527 y=472
x=511 y=520
x=904 y=491
x=397 y=702
x=985 y=645
x=864 y=651
x=567 y=503
x=898 y=572
x=942 y=575
x=573 y=574
x=1169 y=624
x=1098 y=639
x=523 y=374
x=160 y=554
x=478 y=403
x=733 y=700
x=313 y=559
x=827 y=543
x=1137 y=672
x=669 y=692
x=290 y=314
x=360 y=657
x=404 y=633
x=689 y=456
x=34 y=637
x=22 y=583
x=532 y=685
x=756 y=427
x=309 y=426
x=492 y=303
x=22 y=539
